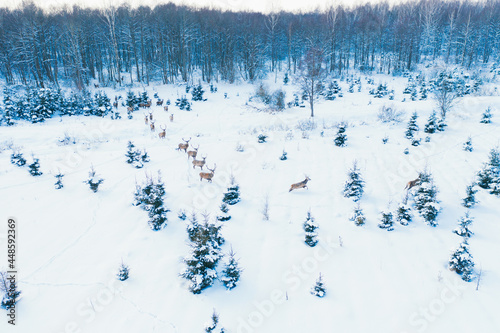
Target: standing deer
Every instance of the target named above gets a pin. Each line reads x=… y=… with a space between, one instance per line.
x=193 y=153
x=146 y=119
x=199 y=163
x=208 y=175
x=159 y=102
x=115 y=104
x=152 y=125
x=163 y=132
x=302 y=184
x=130 y=109
x=184 y=145
x=172 y=118
x=165 y=108
x=412 y=183
x=151 y=116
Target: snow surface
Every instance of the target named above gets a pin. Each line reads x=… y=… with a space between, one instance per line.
x=72 y=241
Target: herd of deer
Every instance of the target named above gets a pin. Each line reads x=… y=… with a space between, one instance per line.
x=197 y=163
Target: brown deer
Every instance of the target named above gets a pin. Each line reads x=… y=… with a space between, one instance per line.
x=208 y=175
x=199 y=163
x=412 y=183
x=148 y=104
x=151 y=116
x=130 y=109
x=152 y=125
x=165 y=108
x=115 y=104
x=302 y=184
x=159 y=102
x=171 y=117
x=193 y=153
x=184 y=145
x=146 y=119
x=163 y=132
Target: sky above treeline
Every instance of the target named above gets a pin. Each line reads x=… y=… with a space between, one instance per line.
x=234 y=5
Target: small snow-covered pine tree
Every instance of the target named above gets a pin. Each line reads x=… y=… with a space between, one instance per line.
x=412 y=126
x=149 y=197
x=358 y=217
x=468 y=145
x=34 y=168
x=310 y=226
x=386 y=221
x=461 y=262
x=123 y=273
x=403 y=214
x=231 y=272
x=432 y=123
x=470 y=196
x=425 y=199
x=193 y=226
x=202 y=262
x=197 y=93
x=354 y=186
x=486 y=117
x=134 y=156
x=17 y=158
x=211 y=328
x=319 y=289
x=490 y=173
x=224 y=215
x=232 y=196
x=9 y=289
x=341 y=138
x=59 y=185
x=94 y=181
x=463 y=226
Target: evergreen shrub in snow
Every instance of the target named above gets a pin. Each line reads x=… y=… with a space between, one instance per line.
x=17 y=158
x=358 y=217
x=403 y=214
x=310 y=226
x=489 y=175
x=354 y=186
x=34 y=168
x=149 y=197
x=425 y=199
x=386 y=221
x=319 y=289
x=123 y=273
x=461 y=262
x=94 y=181
x=463 y=226
x=231 y=272
x=470 y=196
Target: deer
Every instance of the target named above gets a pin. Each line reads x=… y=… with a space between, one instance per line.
x=151 y=116
x=96 y=85
x=146 y=119
x=130 y=109
x=184 y=145
x=193 y=153
x=163 y=132
x=413 y=183
x=148 y=104
x=171 y=117
x=115 y=104
x=302 y=184
x=159 y=102
x=152 y=125
x=199 y=163
x=208 y=175
x=165 y=108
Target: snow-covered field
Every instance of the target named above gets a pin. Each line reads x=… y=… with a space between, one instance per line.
x=71 y=241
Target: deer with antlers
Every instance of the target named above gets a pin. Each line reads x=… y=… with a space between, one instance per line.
x=302 y=184
x=152 y=125
x=151 y=116
x=199 y=163
x=146 y=119
x=412 y=183
x=148 y=104
x=163 y=132
x=159 y=102
x=130 y=109
x=208 y=175
x=184 y=145
x=193 y=153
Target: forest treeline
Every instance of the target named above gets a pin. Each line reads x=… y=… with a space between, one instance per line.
x=169 y=43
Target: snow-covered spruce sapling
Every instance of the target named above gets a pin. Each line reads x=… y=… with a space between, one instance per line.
x=135 y=156
x=193 y=226
x=283 y=156
x=358 y=217
x=201 y=263
x=354 y=186
x=310 y=226
x=211 y=327
x=470 y=196
x=149 y=197
x=432 y=123
x=468 y=145
x=486 y=117
x=319 y=289
x=441 y=125
x=224 y=214
x=416 y=142
x=425 y=199
x=262 y=138
x=94 y=181
x=286 y=79
x=34 y=168
x=341 y=138
x=403 y=214
x=123 y=272
x=490 y=173
x=463 y=226
x=231 y=272
x=17 y=158
x=232 y=196
x=182 y=215
x=385 y=139
x=265 y=208
x=59 y=185
x=197 y=93
x=11 y=293
x=386 y=221
x=461 y=262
